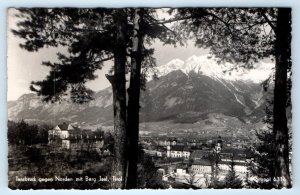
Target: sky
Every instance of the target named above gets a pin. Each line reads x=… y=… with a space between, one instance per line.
x=24 y=67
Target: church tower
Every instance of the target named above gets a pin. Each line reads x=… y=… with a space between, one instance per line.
x=219 y=145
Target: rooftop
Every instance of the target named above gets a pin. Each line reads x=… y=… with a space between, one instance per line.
x=67 y=127
x=236 y=152
x=198 y=154
x=179 y=148
x=235 y=163
x=204 y=162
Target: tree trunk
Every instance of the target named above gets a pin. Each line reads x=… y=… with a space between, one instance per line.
x=282 y=56
x=133 y=102
x=118 y=83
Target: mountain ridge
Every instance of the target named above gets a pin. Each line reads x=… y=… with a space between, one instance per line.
x=187 y=91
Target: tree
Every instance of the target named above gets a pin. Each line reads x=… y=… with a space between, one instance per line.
x=232 y=180
x=147 y=174
x=213 y=181
x=146 y=28
x=133 y=98
x=119 y=97
x=282 y=64
x=191 y=179
x=262 y=167
x=22 y=133
x=245 y=36
x=12 y=132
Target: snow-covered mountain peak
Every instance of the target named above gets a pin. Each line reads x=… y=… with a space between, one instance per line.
x=175 y=62
x=204 y=65
x=208 y=66
x=173 y=65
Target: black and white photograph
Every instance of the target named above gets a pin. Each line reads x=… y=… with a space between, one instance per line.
x=149 y=98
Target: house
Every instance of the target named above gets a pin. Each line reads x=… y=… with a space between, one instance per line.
x=156 y=151
x=202 y=166
x=235 y=154
x=180 y=171
x=172 y=142
x=62 y=131
x=239 y=167
x=67 y=136
x=166 y=142
x=160 y=152
x=239 y=157
x=178 y=152
x=194 y=143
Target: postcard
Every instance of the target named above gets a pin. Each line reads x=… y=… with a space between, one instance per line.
x=149 y=98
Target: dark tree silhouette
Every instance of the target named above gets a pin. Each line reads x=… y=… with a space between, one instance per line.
x=232 y=180
x=134 y=98
x=282 y=64
x=263 y=164
x=22 y=133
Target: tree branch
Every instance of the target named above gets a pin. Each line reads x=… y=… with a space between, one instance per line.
x=268 y=20
x=106 y=59
x=110 y=78
x=171 y=20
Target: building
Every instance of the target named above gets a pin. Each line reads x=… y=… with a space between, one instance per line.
x=226 y=156
x=202 y=166
x=62 y=131
x=219 y=145
x=199 y=154
x=238 y=155
x=239 y=167
x=67 y=136
x=178 y=152
x=166 y=142
x=161 y=152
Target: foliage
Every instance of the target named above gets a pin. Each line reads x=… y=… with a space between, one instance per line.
x=231 y=34
x=48 y=162
x=34 y=154
x=108 y=141
x=213 y=180
x=26 y=134
x=88 y=36
x=191 y=179
x=232 y=180
x=148 y=177
x=262 y=166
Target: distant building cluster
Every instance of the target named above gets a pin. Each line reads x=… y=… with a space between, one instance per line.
x=198 y=157
x=67 y=136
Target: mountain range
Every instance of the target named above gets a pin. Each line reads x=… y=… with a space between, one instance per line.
x=186 y=92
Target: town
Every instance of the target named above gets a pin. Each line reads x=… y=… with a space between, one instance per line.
x=178 y=160
x=181 y=161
